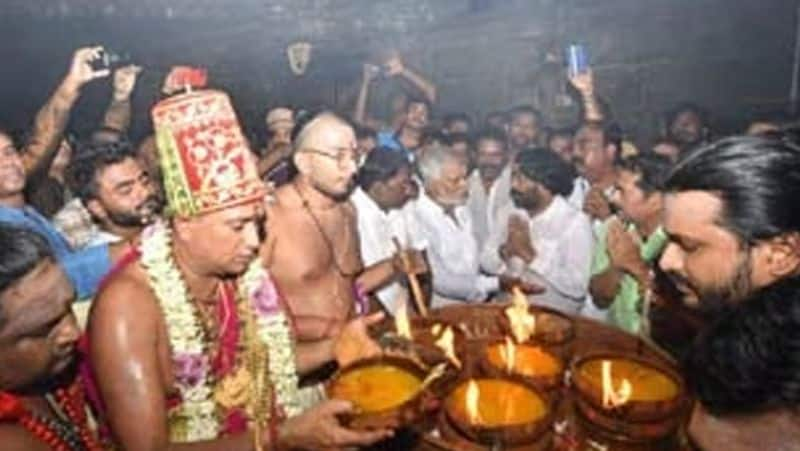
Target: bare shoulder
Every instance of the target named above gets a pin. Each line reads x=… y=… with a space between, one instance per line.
x=125 y=300
x=16 y=438
x=286 y=197
x=280 y=203
x=285 y=208
x=283 y=223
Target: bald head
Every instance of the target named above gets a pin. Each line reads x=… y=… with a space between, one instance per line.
x=326 y=154
x=313 y=132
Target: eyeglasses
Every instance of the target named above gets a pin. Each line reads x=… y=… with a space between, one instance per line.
x=342 y=156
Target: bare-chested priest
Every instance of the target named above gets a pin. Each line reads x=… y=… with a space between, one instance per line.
x=190 y=347
x=312 y=248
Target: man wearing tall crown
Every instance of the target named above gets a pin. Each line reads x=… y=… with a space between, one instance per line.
x=188 y=342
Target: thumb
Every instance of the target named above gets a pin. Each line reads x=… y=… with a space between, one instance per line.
x=335 y=407
x=100 y=74
x=374 y=318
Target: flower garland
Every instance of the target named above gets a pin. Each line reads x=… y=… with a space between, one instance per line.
x=274 y=331
x=196 y=418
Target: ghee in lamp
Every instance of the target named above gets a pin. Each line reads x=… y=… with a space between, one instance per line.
x=647 y=383
x=375 y=388
x=526 y=360
x=493 y=403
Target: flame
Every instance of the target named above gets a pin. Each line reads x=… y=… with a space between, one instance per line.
x=523 y=323
x=473 y=395
x=445 y=343
x=614 y=397
x=509 y=354
x=401 y=323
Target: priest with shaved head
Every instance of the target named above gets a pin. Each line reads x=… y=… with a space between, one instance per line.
x=312 y=248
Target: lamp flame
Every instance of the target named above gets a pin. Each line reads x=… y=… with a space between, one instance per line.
x=508 y=352
x=614 y=397
x=473 y=395
x=401 y=323
x=523 y=323
x=445 y=343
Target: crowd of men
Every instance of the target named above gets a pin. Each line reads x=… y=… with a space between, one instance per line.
x=280 y=259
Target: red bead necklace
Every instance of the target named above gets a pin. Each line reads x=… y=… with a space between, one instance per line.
x=70 y=433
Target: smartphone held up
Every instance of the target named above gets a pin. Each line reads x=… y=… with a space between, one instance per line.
x=108 y=59
x=577 y=60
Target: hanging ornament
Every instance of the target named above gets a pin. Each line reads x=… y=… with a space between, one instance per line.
x=299 y=54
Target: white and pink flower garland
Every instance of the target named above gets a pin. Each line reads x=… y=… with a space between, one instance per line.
x=198 y=410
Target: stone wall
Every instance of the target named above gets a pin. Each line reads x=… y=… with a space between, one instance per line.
x=732 y=56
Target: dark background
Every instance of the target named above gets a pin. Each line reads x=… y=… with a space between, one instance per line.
x=732 y=56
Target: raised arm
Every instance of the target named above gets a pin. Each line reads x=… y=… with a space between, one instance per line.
x=52 y=118
x=584 y=84
x=396 y=67
x=360 y=115
x=118 y=114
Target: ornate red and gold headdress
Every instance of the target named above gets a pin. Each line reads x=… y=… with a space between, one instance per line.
x=205 y=160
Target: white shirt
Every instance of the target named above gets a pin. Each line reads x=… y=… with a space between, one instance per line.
x=453 y=254
x=563 y=239
x=484 y=207
x=577 y=199
x=376 y=230
x=580 y=188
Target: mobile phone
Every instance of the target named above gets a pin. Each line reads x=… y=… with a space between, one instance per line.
x=577 y=60
x=109 y=60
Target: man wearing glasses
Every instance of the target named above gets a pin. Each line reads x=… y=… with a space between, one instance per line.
x=312 y=248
